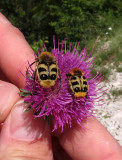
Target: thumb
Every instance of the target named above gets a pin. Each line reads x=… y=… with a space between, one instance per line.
x=23 y=137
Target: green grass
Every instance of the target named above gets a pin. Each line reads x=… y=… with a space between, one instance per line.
x=104 y=71
x=107 y=56
x=119 y=69
x=114 y=52
x=116 y=93
x=106 y=116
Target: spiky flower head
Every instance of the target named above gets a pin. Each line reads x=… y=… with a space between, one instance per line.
x=58 y=101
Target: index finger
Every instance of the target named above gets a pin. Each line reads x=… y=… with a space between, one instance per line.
x=92 y=143
x=15 y=52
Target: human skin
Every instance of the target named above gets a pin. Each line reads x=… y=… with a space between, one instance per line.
x=25 y=138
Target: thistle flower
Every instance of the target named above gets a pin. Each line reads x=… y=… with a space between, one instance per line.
x=58 y=100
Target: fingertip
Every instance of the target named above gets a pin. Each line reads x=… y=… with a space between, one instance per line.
x=17 y=53
x=24 y=137
x=4 y=20
x=94 y=142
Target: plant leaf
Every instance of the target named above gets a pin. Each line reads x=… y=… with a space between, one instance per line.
x=28 y=108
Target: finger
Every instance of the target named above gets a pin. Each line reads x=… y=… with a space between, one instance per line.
x=8 y=97
x=14 y=52
x=23 y=137
x=94 y=143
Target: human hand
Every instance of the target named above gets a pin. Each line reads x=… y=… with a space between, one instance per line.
x=25 y=138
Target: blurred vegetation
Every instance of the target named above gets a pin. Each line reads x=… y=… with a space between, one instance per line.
x=108 y=52
x=75 y=20
x=117 y=93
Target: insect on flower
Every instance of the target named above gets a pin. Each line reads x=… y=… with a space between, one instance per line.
x=78 y=83
x=46 y=69
x=47 y=92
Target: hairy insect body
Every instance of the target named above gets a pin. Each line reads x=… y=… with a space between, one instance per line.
x=78 y=83
x=47 y=69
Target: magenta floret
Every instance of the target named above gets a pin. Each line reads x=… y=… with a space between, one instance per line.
x=59 y=101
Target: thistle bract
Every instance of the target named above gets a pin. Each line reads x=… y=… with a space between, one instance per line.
x=58 y=100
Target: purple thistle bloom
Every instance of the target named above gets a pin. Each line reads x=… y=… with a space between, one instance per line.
x=58 y=100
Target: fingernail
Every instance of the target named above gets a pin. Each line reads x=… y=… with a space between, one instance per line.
x=23 y=126
x=3 y=19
